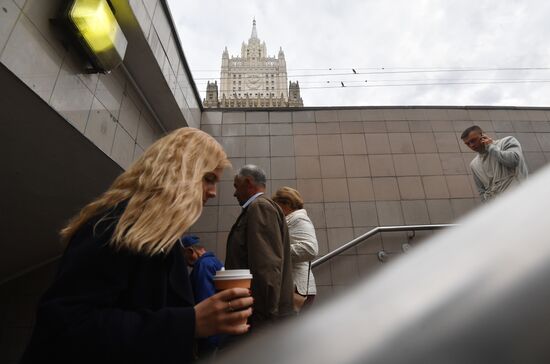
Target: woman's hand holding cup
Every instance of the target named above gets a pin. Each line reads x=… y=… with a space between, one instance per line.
x=225 y=312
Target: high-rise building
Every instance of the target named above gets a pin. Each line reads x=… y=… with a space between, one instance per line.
x=253 y=80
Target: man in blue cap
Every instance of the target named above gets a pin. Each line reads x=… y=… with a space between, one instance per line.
x=205 y=265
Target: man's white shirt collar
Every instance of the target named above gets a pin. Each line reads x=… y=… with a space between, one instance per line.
x=251 y=199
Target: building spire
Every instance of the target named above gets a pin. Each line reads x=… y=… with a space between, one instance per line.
x=254 y=34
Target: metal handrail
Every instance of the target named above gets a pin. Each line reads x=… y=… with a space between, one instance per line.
x=376 y=230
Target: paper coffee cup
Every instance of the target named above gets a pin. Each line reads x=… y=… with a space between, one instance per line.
x=232 y=278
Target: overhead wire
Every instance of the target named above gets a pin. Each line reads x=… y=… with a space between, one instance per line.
x=384 y=68
x=277 y=92
x=407 y=71
x=429 y=84
x=325 y=82
x=353 y=82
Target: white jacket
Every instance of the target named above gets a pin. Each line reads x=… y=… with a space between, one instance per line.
x=303 y=248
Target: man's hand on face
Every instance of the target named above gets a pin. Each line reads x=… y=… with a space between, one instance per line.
x=485 y=140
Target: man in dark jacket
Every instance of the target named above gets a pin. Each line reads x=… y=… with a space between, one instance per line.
x=259 y=241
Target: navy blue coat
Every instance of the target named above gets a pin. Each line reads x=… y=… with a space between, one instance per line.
x=202 y=276
x=108 y=306
x=202 y=281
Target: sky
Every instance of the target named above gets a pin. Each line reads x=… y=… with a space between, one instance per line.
x=403 y=52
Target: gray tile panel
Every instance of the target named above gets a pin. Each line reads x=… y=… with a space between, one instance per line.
x=338 y=214
x=305 y=128
x=410 y=188
x=401 y=143
x=308 y=167
x=328 y=128
x=344 y=269
x=405 y=165
x=354 y=144
x=306 y=145
x=360 y=189
x=377 y=143
x=415 y=212
x=282 y=145
x=283 y=168
x=311 y=189
x=357 y=166
x=335 y=190
x=397 y=126
x=385 y=188
x=381 y=165
x=440 y=211
x=257 y=117
x=332 y=166
x=435 y=187
x=330 y=144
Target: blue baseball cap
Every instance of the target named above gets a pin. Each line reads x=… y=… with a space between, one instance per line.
x=189 y=240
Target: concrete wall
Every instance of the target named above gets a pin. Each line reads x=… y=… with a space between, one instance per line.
x=106 y=108
x=361 y=168
x=155 y=23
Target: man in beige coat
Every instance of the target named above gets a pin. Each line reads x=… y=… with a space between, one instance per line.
x=259 y=241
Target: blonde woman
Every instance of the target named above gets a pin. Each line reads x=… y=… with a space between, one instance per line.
x=303 y=245
x=122 y=292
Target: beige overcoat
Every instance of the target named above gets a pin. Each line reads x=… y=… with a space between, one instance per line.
x=259 y=241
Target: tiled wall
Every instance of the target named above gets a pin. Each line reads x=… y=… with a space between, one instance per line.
x=155 y=25
x=104 y=107
x=361 y=168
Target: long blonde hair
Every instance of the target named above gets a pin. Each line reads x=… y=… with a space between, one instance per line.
x=163 y=189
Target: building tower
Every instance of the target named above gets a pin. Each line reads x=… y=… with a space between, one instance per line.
x=294 y=99
x=211 y=99
x=252 y=80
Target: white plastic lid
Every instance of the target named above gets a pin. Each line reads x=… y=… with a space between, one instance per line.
x=233 y=274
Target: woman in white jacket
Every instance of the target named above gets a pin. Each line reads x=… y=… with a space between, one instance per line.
x=303 y=245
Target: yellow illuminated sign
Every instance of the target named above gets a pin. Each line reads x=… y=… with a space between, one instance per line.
x=98 y=27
